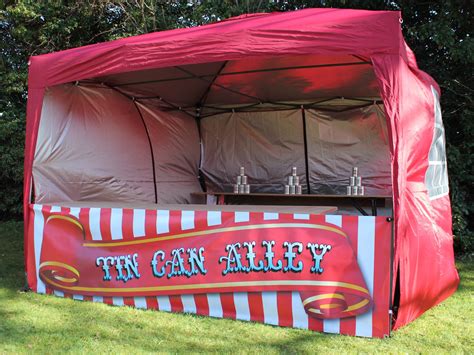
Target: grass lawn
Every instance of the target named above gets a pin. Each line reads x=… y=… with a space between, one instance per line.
x=37 y=323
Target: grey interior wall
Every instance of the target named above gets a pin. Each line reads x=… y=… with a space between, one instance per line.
x=93 y=146
x=175 y=140
x=267 y=144
x=339 y=141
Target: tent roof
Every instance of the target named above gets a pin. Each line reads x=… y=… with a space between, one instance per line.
x=338 y=33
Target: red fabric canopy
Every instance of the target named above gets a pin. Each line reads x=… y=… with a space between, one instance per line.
x=423 y=237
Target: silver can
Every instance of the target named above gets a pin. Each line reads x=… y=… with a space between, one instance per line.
x=287 y=189
x=355 y=190
x=291 y=180
x=242 y=170
x=244 y=180
x=236 y=189
x=241 y=189
x=352 y=181
x=247 y=189
x=299 y=189
x=361 y=191
x=358 y=181
x=348 y=190
x=296 y=180
x=292 y=189
x=293 y=171
x=239 y=179
x=355 y=171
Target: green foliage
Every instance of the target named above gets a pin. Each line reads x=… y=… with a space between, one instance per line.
x=439 y=32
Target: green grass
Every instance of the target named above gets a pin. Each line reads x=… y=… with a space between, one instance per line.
x=42 y=324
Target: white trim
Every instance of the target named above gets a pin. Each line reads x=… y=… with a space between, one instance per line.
x=242 y=308
x=38 y=229
x=241 y=217
x=140 y=302
x=301 y=216
x=270 y=307
x=98 y=299
x=270 y=216
x=215 y=305
x=300 y=317
x=117 y=301
x=214 y=218
x=187 y=220
x=189 y=305
x=138 y=223
x=365 y=259
x=116 y=215
x=162 y=221
x=164 y=303
x=333 y=325
x=94 y=223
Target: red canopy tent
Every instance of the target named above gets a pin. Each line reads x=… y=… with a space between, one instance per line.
x=158 y=94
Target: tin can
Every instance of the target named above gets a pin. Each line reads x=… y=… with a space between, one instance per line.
x=244 y=179
x=292 y=189
x=358 y=181
x=287 y=189
x=299 y=189
x=247 y=189
x=236 y=189
x=355 y=171
x=239 y=179
x=355 y=190
x=348 y=190
x=296 y=180
x=291 y=180
x=352 y=181
x=361 y=191
x=242 y=170
x=241 y=189
x=293 y=171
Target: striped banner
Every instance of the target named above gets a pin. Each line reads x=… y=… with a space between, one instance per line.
x=369 y=238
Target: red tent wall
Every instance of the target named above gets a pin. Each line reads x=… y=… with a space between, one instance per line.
x=423 y=238
x=423 y=235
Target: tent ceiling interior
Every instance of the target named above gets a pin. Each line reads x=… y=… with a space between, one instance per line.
x=158 y=135
x=254 y=81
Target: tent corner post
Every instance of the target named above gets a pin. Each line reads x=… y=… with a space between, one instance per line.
x=305 y=142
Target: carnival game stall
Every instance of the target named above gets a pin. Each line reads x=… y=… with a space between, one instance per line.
x=285 y=168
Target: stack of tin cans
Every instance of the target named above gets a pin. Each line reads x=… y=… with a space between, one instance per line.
x=242 y=186
x=293 y=187
x=355 y=187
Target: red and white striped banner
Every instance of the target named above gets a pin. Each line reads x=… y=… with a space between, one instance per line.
x=369 y=238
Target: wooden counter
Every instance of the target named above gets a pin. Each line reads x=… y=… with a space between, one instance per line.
x=358 y=202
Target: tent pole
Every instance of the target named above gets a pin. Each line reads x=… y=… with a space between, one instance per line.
x=198 y=106
x=147 y=135
x=212 y=82
x=303 y=115
x=151 y=149
x=201 y=180
x=203 y=98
